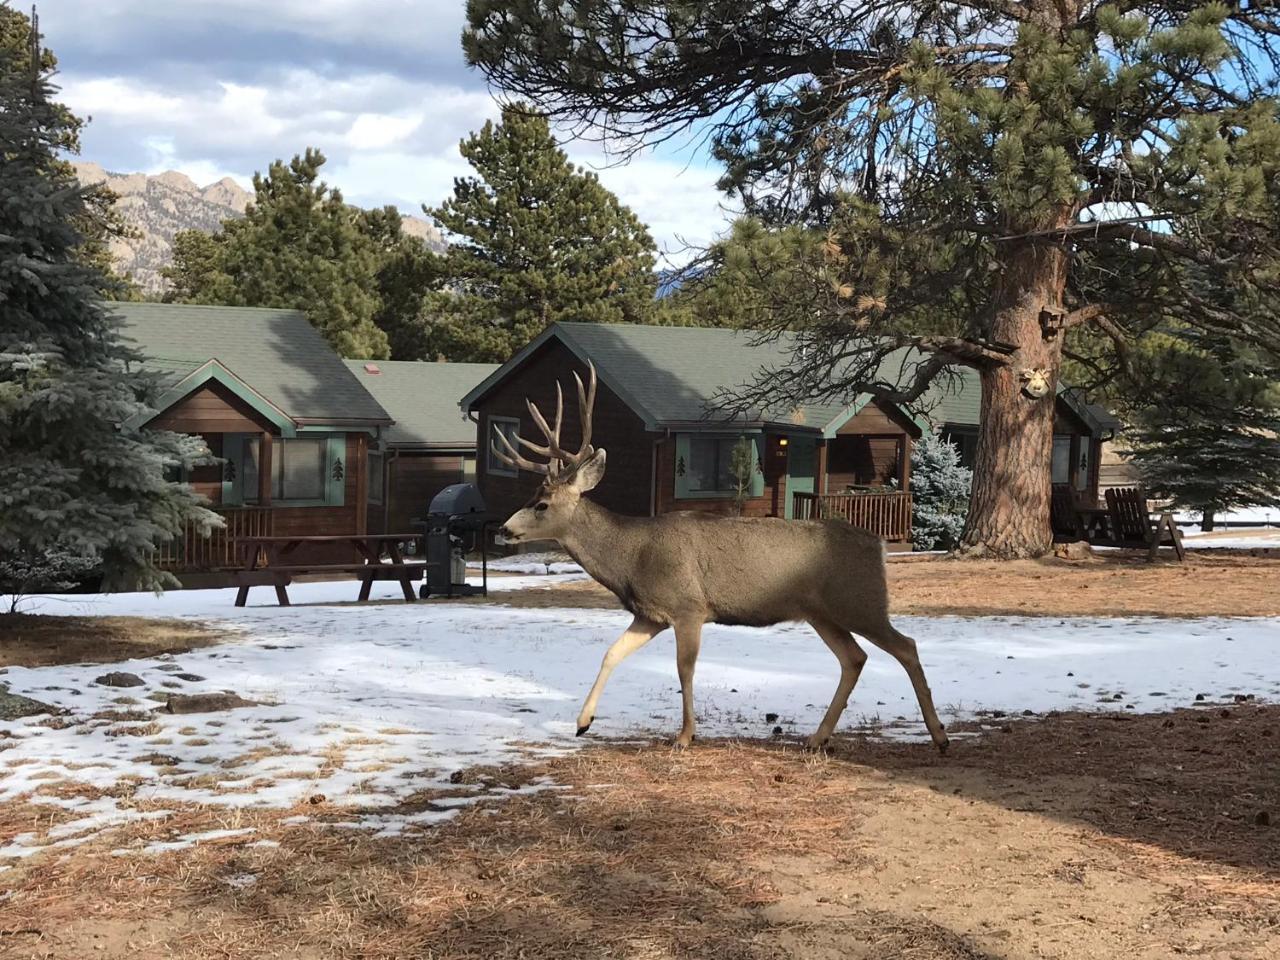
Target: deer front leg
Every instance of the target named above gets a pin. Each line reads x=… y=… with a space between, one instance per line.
x=852 y=659
x=688 y=642
x=636 y=636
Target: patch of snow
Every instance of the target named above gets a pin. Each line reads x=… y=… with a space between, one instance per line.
x=1262 y=516
x=549 y=562
x=1232 y=538
x=365 y=705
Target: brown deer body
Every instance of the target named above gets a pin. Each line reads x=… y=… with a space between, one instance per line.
x=682 y=570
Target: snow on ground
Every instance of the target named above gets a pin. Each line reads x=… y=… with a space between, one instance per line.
x=1236 y=538
x=532 y=563
x=367 y=704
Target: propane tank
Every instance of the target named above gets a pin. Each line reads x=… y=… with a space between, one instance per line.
x=457 y=567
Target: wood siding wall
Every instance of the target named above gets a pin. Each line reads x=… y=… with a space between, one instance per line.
x=413 y=479
x=211 y=408
x=625 y=488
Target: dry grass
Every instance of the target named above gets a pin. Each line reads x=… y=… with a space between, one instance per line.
x=1079 y=836
x=1119 y=583
x=37 y=640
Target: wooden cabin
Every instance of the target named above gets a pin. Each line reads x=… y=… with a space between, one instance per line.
x=670 y=450
x=669 y=446
x=293 y=429
x=430 y=445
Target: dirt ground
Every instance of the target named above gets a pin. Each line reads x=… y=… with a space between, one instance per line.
x=1078 y=836
x=39 y=641
x=1121 y=583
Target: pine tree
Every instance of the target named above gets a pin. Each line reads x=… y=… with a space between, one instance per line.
x=298 y=246
x=99 y=222
x=407 y=271
x=991 y=183
x=1206 y=433
x=533 y=240
x=73 y=480
x=939 y=494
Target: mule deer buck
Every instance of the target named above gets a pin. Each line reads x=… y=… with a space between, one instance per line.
x=682 y=570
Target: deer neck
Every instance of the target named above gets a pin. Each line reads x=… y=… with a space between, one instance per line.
x=600 y=542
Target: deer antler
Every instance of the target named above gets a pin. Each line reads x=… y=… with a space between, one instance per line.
x=558 y=459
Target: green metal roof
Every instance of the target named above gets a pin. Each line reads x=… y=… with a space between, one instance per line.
x=276 y=352
x=670 y=375
x=423 y=399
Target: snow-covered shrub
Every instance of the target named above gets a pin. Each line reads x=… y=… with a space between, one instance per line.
x=47 y=571
x=939 y=493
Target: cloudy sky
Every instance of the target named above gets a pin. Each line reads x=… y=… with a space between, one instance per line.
x=221 y=87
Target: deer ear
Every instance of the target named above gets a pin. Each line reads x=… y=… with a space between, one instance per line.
x=590 y=473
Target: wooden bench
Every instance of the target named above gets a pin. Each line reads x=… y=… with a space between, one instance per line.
x=1132 y=525
x=366 y=573
x=1063 y=515
x=269 y=561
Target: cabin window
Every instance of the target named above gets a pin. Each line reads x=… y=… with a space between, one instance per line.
x=509 y=428
x=710 y=462
x=376 y=471
x=1061 y=469
x=299 y=469
x=704 y=465
x=1082 y=465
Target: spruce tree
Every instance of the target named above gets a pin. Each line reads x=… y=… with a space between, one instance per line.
x=99 y=222
x=73 y=480
x=299 y=246
x=939 y=493
x=533 y=240
x=990 y=182
x=1205 y=434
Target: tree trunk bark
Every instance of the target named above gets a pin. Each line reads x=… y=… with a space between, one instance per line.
x=1206 y=520
x=1009 y=506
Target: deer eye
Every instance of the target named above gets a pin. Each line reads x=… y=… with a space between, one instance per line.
x=540 y=507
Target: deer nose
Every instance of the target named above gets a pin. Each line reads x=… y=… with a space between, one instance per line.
x=504 y=532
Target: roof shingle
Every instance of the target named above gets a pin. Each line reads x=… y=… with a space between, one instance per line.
x=277 y=352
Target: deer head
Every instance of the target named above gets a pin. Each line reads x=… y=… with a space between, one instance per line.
x=568 y=475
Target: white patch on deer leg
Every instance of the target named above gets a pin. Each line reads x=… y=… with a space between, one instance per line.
x=633 y=638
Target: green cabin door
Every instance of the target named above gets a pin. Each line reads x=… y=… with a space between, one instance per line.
x=802 y=468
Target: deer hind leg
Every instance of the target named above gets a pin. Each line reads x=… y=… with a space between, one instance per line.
x=636 y=636
x=688 y=642
x=903 y=649
x=852 y=658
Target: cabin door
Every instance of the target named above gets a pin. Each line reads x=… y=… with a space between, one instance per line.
x=802 y=464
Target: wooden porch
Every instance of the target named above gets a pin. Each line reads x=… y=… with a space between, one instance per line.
x=193 y=552
x=888 y=514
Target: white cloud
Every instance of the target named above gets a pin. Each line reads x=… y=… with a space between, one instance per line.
x=213 y=88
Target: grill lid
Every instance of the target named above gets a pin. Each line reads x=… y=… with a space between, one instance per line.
x=456 y=499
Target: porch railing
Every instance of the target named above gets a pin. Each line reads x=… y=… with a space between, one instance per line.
x=191 y=551
x=886 y=514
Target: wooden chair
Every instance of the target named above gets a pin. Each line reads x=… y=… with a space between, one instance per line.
x=1133 y=526
x=1063 y=516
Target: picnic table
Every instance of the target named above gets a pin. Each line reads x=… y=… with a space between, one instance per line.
x=268 y=561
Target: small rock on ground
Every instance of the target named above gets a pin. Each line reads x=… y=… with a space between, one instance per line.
x=118 y=678
x=204 y=702
x=13 y=706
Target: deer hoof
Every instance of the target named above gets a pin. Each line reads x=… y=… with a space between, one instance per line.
x=942 y=746
x=585 y=727
x=816 y=743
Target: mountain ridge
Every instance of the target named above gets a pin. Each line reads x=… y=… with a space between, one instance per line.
x=160 y=205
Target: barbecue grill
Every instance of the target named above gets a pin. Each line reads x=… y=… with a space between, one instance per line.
x=457 y=523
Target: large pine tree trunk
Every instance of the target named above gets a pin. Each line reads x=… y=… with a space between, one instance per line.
x=1009 y=508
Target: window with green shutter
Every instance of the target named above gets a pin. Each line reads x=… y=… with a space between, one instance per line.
x=306 y=471
x=704 y=465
